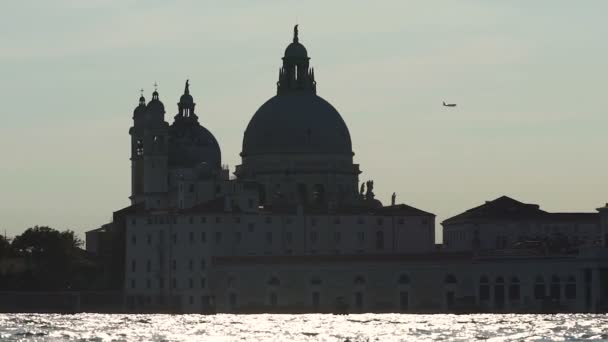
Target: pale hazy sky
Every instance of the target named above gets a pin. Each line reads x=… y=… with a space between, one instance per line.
x=530 y=79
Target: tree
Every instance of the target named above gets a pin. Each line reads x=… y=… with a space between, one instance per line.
x=55 y=256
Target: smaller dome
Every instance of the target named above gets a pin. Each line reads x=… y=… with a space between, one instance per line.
x=296 y=50
x=156 y=106
x=186 y=99
x=140 y=110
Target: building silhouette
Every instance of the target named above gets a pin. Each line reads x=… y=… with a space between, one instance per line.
x=296 y=230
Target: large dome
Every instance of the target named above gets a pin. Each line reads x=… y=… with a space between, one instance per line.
x=296 y=123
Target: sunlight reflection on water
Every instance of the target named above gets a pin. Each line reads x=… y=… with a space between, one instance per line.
x=354 y=328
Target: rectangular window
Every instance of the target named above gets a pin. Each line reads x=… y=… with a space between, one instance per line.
x=191 y=220
x=238 y=237
x=191 y=283
x=203 y=219
x=148 y=266
x=191 y=300
x=288 y=237
x=191 y=235
x=174 y=238
x=203 y=283
x=203 y=237
x=514 y=292
x=539 y=291
x=191 y=265
x=570 y=291
x=203 y=264
x=361 y=237
x=133 y=265
x=218 y=219
x=132 y=283
x=268 y=237
x=161 y=283
x=313 y=221
x=337 y=237
x=133 y=240
x=149 y=239
x=380 y=221
x=218 y=237
x=148 y=283
x=268 y=220
x=174 y=265
x=251 y=227
x=313 y=236
x=174 y=283
x=237 y=220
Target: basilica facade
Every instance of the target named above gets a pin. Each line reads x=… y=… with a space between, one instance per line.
x=297 y=230
x=296 y=193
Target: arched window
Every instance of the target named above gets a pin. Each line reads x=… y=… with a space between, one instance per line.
x=539 y=288
x=231 y=281
x=274 y=281
x=404 y=279
x=379 y=240
x=319 y=193
x=514 y=289
x=484 y=288
x=570 y=290
x=450 y=279
x=262 y=193
x=555 y=290
x=273 y=299
x=359 y=280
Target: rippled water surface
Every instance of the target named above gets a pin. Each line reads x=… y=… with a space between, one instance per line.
x=365 y=327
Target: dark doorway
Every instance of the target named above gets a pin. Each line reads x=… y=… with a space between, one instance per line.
x=358 y=301
x=499 y=297
x=450 y=299
x=316 y=299
x=404 y=301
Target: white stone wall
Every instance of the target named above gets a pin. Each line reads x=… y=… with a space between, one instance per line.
x=170 y=244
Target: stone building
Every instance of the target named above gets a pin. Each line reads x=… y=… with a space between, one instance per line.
x=506 y=223
x=296 y=230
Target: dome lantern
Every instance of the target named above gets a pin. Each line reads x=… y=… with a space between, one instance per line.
x=295 y=74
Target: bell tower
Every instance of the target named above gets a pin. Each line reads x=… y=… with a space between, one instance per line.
x=155 y=154
x=137 y=150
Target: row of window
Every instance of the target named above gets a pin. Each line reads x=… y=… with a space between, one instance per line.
x=191 y=283
x=238 y=237
x=269 y=219
x=513 y=288
x=191 y=265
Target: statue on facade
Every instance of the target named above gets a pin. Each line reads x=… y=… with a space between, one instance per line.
x=362 y=190
x=393 y=198
x=369 y=195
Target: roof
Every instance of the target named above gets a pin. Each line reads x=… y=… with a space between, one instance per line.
x=402 y=210
x=507 y=209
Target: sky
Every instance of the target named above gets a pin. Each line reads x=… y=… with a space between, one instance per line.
x=529 y=78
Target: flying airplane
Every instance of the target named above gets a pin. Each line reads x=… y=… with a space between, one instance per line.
x=449 y=104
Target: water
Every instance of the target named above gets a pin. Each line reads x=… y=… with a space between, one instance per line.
x=292 y=328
